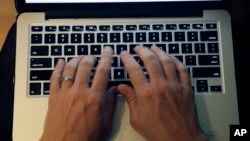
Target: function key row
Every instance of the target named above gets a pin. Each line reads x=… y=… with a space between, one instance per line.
x=123 y=27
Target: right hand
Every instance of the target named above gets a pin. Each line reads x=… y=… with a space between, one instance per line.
x=161 y=108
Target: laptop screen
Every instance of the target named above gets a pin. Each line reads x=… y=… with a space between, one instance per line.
x=104 y=1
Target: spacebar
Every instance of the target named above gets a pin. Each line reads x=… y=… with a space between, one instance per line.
x=116 y=83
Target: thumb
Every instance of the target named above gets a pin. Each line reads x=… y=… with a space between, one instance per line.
x=129 y=93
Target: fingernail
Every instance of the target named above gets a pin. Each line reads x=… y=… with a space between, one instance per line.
x=108 y=48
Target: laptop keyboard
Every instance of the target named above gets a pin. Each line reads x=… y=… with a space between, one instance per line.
x=194 y=44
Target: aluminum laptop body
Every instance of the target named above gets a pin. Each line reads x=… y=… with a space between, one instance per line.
x=217 y=109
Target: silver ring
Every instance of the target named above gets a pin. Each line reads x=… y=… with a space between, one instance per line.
x=67 y=78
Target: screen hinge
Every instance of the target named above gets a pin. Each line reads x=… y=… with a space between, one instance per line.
x=124 y=13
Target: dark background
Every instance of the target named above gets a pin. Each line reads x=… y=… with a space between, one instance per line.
x=240 y=13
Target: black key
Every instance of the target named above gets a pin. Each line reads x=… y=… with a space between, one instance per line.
x=115 y=37
x=95 y=49
x=39 y=51
x=64 y=28
x=63 y=38
x=184 y=26
x=192 y=36
x=69 y=50
x=56 y=50
x=104 y=27
x=50 y=28
x=202 y=82
x=206 y=72
x=91 y=28
x=117 y=27
x=144 y=27
x=46 y=90
x=82 y=50
x=50 y=38
x=197 y=26
x=187 y=48
x=199 y=48
x=209 y=36
x=166 y=36
x=35 y=88
x=131 y=27
x=180 y=58
x=141 y=37
x=211 y=26
x=153 y=37
x=131 y=48
x=128 y=37
x=36 y=38
x=202 y=88
x=173 y=48
x=89 y=38
x=171 y=26
x=76 y=38
x=139 y=61
x=102 y=37
x=40 y=74
x=40 y=62
x=162 y=47
x=216 y=88
x=120 y=48
x=209 y=59
x=179 y=36
x=77 y=28
x=119 y=73
x=213 y=48
x=190 y=60
x=158 y=27
x=36 y=28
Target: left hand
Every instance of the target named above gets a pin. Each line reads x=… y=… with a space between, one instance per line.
x=77 y=112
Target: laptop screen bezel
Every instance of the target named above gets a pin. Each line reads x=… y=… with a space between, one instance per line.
x=22 y=6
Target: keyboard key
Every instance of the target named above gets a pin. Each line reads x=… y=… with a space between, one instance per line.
x=36 y=38
x=77 y=28
x=91 y=28
x=153 y=37
x=171 y=26
x=104 y=27
x=56 y=50
x=192 y=36
x=50 y=28
x=131 y=27
x=102 y=37
x=208 y=59
x=179 y=36
x=63 y=38
x=141 y=37
x=200 y=48
x=50 y=38
x=40 y=62
x=46 y=90
x=82 y=50
x=144 y=27
x=216 y=88
x=211 y=26
x=173 y=48
x=117 y=27
x=95 y=49
x=166 y=36
x=35 y=88
x=37 y=28
x=69 y=50
x=39 y=51
x=187 y=48
x=36 y=75
x=89 y=37
x=158 y=27
x=115 y=37
x=213 y=48
x=76 y=38
x=119 y=73
x=197 y=26
x=64 y=28
x=184 y=26
x=190 y=60
x=202 y=88
x=128 y=37
x=209 y=36
x=199 y=72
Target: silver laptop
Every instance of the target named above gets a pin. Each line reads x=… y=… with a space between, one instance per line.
x=198 y=32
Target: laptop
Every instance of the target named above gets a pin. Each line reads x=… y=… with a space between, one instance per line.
x=197 y=32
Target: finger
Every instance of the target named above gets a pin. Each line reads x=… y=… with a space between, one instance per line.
x=110 y=107
x=55 y=79
x=182 y=71
x=83 y=72
x=151 y=62
x=130 y=96
x=70 y=70
x=134 y=70
x=103 y=71
x=166 y=63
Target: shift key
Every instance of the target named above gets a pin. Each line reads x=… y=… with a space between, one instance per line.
x=206 y=72
x=40 y=75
